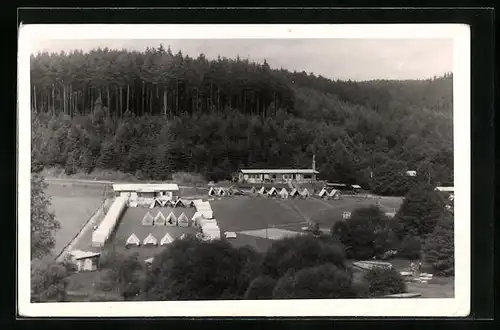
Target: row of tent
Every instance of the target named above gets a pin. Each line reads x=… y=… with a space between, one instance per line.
x=305 y=193
x=170 y=220
x=150 y=240
x=169 y=203
x=221 y=191
x=283 y=193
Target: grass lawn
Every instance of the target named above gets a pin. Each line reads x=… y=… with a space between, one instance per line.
x=248 y=213
x=73 y=205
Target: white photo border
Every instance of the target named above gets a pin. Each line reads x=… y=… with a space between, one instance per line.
x=425 y=307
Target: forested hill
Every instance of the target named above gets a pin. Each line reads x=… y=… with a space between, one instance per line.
x=153 y=113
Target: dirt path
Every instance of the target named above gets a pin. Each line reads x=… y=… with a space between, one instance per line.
x=88 y=226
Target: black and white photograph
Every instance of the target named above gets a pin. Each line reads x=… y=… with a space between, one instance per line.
x=244 y=170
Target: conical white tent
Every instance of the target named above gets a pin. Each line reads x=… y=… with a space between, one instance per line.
x=152 y=205
x=133 y=240
x=253 y=190
x=272 y=192
x=230 y=191
x=162 y=202
x=323 y=193
x=183 y=220
x=222 y=192
x=168 y=203
x=167 y=239
x=147 y=220
x=294 y=193
x=262 y=191
x=160 y=219
x=335 y=194
x=283 y=193
x=212 y=192
x=171 y=219
x=179 y=203
x=150 y=240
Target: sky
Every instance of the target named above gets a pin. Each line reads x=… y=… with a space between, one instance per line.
x=355 y=59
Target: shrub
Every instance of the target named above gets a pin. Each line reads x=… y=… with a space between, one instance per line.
x=295 y=253
x=260 y=288
x=382 y=281
x=368 y=233
x=410 y=248
x=324 y=281
x=191 y=269
x=438 y=250
x=419 y=212
x=49 y=281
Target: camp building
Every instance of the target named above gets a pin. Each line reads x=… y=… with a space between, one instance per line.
x=254 y=176
x=146 y=191
x=277 y=175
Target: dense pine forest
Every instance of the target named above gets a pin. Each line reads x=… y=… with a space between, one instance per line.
x=153 y=113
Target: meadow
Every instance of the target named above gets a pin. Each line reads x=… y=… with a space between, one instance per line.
x=73 y=205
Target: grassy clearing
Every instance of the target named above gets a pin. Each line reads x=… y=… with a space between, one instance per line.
x=73 y=206
x=247 y=213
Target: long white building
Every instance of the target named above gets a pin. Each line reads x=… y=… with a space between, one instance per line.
x=138 y=191
x=108 y=224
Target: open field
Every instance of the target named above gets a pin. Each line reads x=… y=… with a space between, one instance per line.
x=248 y=213
x=73 y=206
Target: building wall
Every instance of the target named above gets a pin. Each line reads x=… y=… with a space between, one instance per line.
x=259 y=178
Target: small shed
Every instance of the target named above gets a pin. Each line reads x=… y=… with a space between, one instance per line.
x=85 y=260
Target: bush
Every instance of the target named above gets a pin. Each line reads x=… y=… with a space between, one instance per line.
x=295 y=253
x=410 y=248
x=190 y=269
x=325 y=281
x=438 y=250
x=382 y=281
x=260 y=288
x=49 y=281
x=420 y=211
x=368 y=233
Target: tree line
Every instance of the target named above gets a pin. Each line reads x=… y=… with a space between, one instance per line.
x=153 y=113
